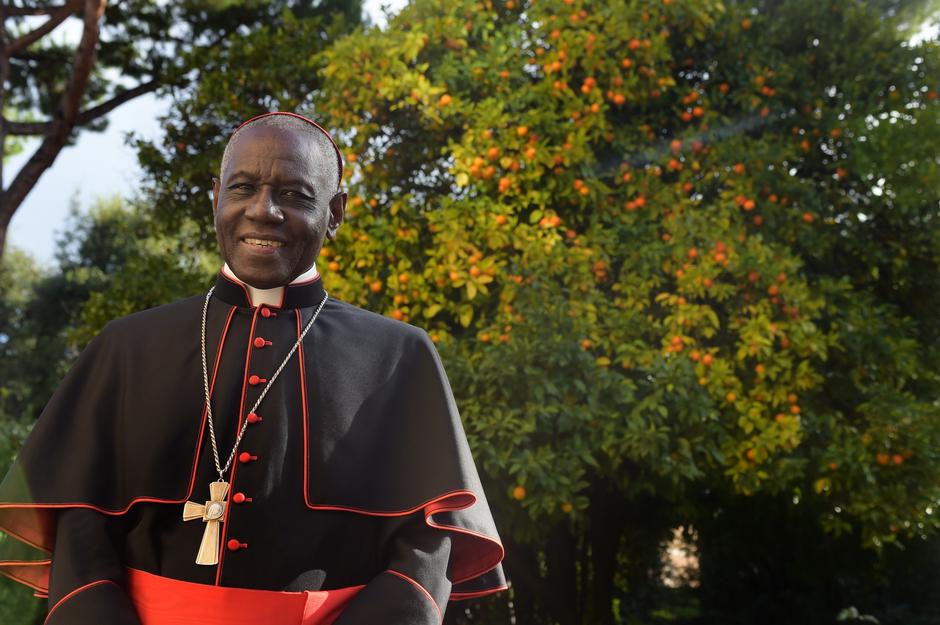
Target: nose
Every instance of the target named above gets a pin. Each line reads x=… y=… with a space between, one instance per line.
x=264 y=207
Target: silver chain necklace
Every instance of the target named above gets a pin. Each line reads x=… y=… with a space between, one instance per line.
x=205 y=379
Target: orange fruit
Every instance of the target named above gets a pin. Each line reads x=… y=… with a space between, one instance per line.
x=518 y=493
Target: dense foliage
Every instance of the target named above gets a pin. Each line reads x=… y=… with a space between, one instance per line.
x=667 y=248
x=680 y=258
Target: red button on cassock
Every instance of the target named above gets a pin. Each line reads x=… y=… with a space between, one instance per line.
x=261 y=342
x=234 y=545
x=265 y=312
x=255 y=380
x=253 y=418
x=240 y=498
x=246 y=457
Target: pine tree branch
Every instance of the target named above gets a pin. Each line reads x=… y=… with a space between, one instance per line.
x=29 y=11
x=87 y=116
x=57 y=17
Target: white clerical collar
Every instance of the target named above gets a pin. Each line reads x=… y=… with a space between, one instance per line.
x=271 y=297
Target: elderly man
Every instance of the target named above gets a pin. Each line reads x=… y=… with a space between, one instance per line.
x=262 y=453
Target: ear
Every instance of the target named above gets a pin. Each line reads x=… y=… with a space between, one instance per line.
x=337 y=213
x=216 y=187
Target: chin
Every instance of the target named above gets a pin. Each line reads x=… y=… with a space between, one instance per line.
x=260 y=277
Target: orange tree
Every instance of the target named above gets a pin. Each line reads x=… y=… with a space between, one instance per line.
x=665 y=248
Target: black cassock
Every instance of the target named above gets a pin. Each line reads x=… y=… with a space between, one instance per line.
x=355 y=469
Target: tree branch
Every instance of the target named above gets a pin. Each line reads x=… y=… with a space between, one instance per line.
x=21 y=11
x=85 y=117
x=61 y=128
x=56 y=18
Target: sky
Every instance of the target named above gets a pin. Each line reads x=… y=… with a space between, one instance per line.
x=98 y=165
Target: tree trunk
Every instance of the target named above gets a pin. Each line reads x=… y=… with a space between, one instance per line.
x=522 y=571
x=561 y=557
x=607 y=516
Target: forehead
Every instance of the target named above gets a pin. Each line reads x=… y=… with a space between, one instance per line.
x=265 y=151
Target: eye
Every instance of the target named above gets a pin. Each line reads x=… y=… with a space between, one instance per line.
x=294 y=194
x=241 y=187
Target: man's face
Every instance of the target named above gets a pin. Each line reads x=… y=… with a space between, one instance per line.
x=274 y=206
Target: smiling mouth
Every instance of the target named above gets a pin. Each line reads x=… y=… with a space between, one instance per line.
x=262 y=242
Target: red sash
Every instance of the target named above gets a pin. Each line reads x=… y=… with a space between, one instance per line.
x=165 y=601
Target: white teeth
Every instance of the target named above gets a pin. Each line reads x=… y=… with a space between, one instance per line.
x=263 y=242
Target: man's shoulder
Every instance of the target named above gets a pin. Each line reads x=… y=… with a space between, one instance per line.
x=165 y=316
x=367 y=325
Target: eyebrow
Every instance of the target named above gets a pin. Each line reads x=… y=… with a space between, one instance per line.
x=290 y=181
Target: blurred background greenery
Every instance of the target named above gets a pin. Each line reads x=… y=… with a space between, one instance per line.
x=680 y=259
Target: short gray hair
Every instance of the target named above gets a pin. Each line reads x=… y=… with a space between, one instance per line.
x=323 y=146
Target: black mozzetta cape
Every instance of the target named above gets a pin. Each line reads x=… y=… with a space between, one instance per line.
x=355 y=458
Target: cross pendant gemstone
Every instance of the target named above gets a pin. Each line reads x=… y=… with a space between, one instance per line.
x=212 y=513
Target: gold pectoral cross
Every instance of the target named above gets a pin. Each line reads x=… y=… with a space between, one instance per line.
x=212 y=513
